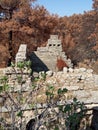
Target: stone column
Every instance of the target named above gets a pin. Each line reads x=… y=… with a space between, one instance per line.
x=21 y=54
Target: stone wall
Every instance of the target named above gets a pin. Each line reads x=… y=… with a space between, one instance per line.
x=82 y=83
x=45 y=58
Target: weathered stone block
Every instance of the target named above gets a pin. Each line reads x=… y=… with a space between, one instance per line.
x=54 y=37
x=82 y=94
x=72 y=88
x=96 y=80
x=49 y=73
x=76 y=70
x=70 y=70
x=65 y=70
x=42 y=49
x=21 y=55
x=83 y=77
x=82 y=69
x=22 y=48
x=89 y=71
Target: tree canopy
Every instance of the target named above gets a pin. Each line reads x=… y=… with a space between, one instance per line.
x=21 y=22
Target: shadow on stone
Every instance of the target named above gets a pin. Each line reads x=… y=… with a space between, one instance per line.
x=94 y=123
x=31 y=124
x=37 y=63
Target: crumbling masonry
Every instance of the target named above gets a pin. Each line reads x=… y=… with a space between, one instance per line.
x=45 y=58
x=81 y=83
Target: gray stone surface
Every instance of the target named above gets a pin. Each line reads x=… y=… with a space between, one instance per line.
x=65 y=70
x=96 y=80
x=21 y=54
x=49 y=73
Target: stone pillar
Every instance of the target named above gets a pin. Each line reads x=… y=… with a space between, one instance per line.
x=21 y=54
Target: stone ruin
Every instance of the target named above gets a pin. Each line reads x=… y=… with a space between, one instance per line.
x=54 y=45
x=21 y=54
x=78 y=80
x=45 y=58
x=81 y=83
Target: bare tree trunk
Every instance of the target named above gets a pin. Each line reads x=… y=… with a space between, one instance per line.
x=10 y=38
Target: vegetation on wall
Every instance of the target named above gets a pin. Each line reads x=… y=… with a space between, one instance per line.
x=54 y=115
